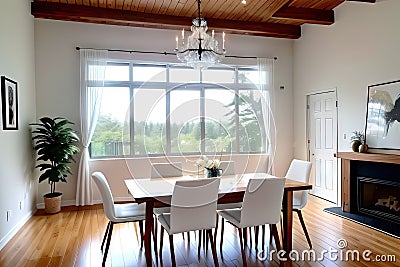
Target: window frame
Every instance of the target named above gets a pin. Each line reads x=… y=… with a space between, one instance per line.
x=169 y=87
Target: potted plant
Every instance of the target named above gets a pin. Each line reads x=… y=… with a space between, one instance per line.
x=358 y=142
x=55 y=145
x=211 y=167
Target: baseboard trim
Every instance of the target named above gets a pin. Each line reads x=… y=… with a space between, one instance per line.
x=15 y=229
x=65 y=203
x=116 y=199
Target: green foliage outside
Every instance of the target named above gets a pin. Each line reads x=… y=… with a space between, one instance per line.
x=111 y=137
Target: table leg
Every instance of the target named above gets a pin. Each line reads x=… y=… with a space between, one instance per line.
x=147 y=232
x=287 y=224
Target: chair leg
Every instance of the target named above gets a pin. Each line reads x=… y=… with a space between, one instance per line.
x=245 y=237
x=250 y=237
x=105 y=235
x=171 y=247
x=257 y=228
x=242 y=247
x=141 y=233
x=213 y=249
x=188 y=237
x=216 y=229
x=161 y=243
x=155 y=227
x=199 y=245
x=274 y=231
x=222 y=234
x=303 y=225
x=205 y=241
x=110 y=230
x=263 y=235
x=154 y=231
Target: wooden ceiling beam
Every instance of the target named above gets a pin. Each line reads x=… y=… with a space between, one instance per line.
x=309 y=15
x=99 y=15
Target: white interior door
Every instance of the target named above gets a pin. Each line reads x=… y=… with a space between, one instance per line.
x=322 y=144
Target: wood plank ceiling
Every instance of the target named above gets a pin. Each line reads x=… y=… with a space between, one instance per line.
x=272 y=18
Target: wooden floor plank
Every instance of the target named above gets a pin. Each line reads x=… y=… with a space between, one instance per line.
x=73 y=238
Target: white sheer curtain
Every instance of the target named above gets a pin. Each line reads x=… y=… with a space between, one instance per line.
x=93 y=66
x=266 y=85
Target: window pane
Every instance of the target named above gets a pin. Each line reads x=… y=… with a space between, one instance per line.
x=149 y=127
x=248 y=76
x=219 y=120
x=111 y=136
x=147 y=74
x=185 y=121
x=117 y=73
x=219 y=76
x=251 y=129
x=184 y=75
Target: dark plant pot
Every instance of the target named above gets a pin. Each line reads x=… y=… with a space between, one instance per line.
x=213 y=172
x=355 y=145
x=363 y=148
x=52 y=202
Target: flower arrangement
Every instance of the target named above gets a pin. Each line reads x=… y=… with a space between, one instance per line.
x=211 y=166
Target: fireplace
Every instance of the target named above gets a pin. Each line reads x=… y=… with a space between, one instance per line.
x=379 y=198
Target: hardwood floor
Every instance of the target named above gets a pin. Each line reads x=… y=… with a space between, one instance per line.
x=73 y=238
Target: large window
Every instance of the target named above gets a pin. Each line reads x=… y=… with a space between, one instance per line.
x=160 y=109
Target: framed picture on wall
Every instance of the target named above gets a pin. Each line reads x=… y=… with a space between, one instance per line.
x=9 y=101
x=383 y=116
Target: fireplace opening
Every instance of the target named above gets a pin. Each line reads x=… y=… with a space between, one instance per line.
x=379 y=198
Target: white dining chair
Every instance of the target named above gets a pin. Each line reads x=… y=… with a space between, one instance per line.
x=262 y=203
x=116 y=213
x=163 y=170
x=300 y=170
x=228 y=168
x=193 y=207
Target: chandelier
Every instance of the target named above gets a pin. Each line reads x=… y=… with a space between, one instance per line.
x=200 y=50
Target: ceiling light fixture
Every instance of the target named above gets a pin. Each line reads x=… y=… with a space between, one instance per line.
x=200 y=50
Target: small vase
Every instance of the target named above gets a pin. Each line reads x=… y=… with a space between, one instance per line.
x=213 y=172
x=355 y=145
x=363 y=148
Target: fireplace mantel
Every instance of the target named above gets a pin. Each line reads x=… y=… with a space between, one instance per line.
x=349 y=170
x=373 y=157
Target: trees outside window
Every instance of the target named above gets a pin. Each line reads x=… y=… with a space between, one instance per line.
x=159 y=109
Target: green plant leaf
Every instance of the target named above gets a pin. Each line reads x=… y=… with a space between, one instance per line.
x=55 y=142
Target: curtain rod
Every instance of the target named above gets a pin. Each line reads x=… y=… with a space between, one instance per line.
x=158 y=53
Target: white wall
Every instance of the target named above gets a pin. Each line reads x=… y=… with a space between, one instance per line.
x=16 y=164
x=57 y=77
x=361 y=48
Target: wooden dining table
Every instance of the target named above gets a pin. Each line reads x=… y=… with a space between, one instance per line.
x=157 y=192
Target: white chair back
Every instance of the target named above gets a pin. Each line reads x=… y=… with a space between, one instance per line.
x=262 y=202
x=160 y=170
x=106 y=195
x=299 y=170
x=227 y=167
x=193 y=205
